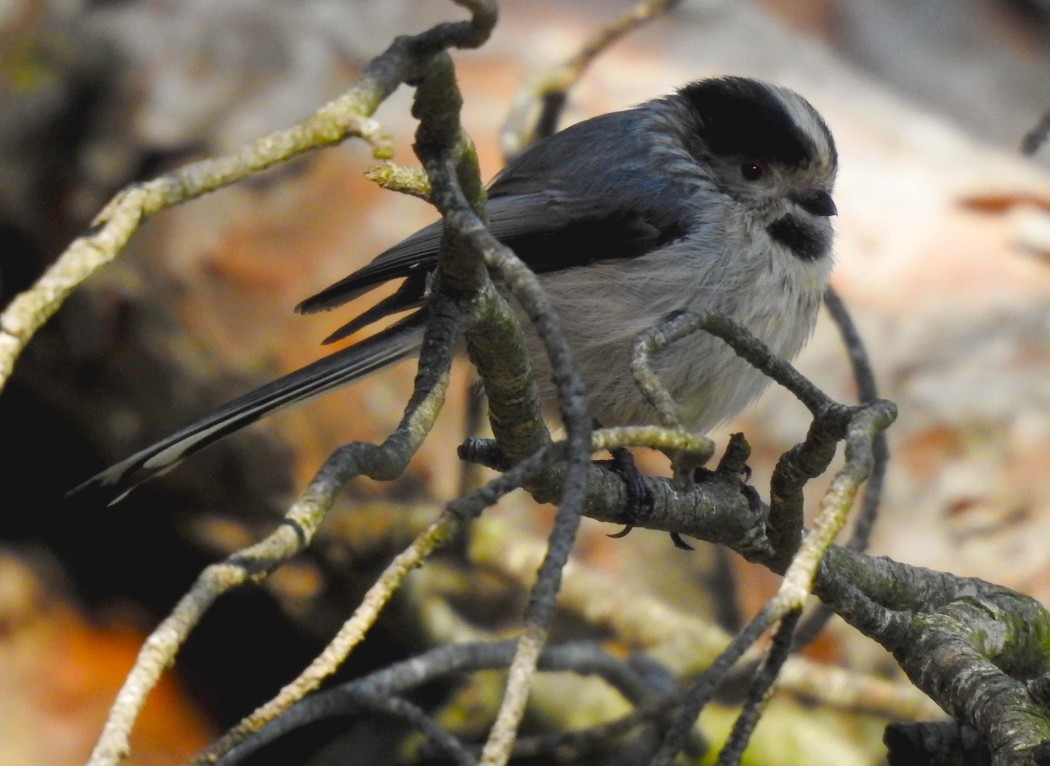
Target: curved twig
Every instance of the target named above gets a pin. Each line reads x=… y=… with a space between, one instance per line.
x=538 y=104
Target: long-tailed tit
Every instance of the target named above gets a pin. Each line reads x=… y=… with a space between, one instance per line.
x=716 y=198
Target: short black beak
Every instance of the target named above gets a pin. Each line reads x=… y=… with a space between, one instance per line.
x=816 y=202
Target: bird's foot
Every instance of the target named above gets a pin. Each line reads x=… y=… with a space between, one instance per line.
x=639 y=496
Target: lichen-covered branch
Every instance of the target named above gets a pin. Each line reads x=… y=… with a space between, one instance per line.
x=684 y=641
x=453 y=187
x=348 y=638
x=294 y=533
x=974 y=647
x=406 y=59
x=348 y=116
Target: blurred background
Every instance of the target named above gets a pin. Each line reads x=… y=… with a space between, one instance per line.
x=943 y=256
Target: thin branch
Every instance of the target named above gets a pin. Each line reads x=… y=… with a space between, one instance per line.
x=414 y=716
x=761 y=691
x=832 y=422
x=867 y=391
x=295 y=533
x=654 y=340
x=797 y=466
x=704 y=687
x=746 y=346
x=354 y=630
x=578 y=743
x=404 y=60
x=348 y=116
x=392 y=177
x=537 y=106
x=524 y=286
x=348 y=637
x=862 y=432
x=402 y=677
x=864 y=520
x=866 y=423
x=648 y=624
x=454 y=185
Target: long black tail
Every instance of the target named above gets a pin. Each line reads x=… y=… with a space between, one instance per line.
x=349 y=364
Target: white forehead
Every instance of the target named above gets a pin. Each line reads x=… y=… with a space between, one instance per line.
x=809 y=123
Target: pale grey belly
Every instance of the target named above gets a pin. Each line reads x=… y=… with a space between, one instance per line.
x=604 y=312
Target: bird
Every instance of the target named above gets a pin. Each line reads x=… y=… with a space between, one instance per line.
x=717 y=197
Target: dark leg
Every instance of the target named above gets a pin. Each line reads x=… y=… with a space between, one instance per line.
x=639 y=497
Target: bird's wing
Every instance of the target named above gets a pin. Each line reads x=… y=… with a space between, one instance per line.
x=549 y=230
x=393 y=344
x=552 y=212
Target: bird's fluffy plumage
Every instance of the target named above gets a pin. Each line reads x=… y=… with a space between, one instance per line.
x=714 y=198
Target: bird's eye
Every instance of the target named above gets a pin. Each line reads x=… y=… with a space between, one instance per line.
x=752 y=170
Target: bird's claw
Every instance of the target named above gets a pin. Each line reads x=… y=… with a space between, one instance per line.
x=639 y=496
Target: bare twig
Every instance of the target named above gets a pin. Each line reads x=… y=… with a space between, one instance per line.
x=684 y=641
x=800 y=575
x=572 y=402
x=703 y=689
x=406 y=59
x=414 y=716
x=346 y=117
x=746 y=345
x=538 y=104
x=867 y=391
x=295 y=533
x=462 y=224
x=348 y=637
x=761 y=691
x=393 y=177
x=579 y=658
x=864 y=519
x=454 y=183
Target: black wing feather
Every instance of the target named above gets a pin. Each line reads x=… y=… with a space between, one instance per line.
x=418 y=253
x=408 y=296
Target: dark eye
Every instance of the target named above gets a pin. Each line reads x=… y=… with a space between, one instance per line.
x=752 y=170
